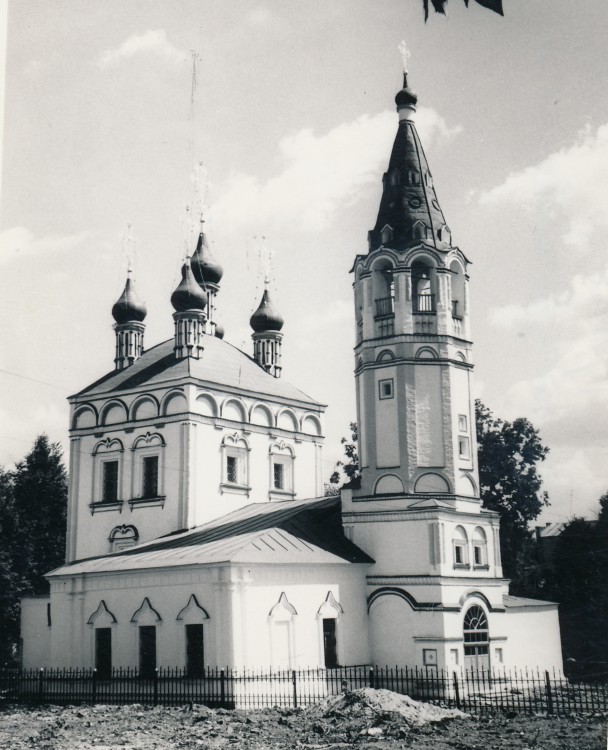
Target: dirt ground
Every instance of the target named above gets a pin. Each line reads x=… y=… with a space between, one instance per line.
x=363 y=719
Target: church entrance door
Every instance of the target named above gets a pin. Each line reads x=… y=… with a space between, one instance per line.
x=195 y=650
x=147 y=650
x=103 y=652
x=329 y=642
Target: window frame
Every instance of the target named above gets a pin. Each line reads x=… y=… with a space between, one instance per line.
x=384 y=382
x=236 y=447
x=281 y=454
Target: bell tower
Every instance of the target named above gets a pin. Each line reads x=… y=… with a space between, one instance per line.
x=413 y=355
x=415 y=507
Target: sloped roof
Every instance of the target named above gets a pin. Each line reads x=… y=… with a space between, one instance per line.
x=551 y=529
x=221 y=364
x=519 y=602
x=297 y=531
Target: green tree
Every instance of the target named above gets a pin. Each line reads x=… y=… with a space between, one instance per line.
x=439 y=6
x=33 y=501
x=508 y=454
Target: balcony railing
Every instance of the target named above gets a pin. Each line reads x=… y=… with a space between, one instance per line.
x=385 y=306
x=423 y=303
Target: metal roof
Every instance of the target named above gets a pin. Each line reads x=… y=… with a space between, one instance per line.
x=517 y=602
x=221 y=364
x=297 y=531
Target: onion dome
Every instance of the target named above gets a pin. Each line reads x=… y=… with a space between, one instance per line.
x=188 y=295
x=129 y=308
x=266 y=317
x=406 y=97
x=206 y=269
x=219 y=331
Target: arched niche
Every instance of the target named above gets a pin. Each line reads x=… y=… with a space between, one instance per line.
x=311 y=425
x=113 y=413
x=262 y=415
x=287 y=420
x=426 y=352
x=383 y=286
x=386 y=355
x=206 y=405
x=85 y=416
x=431 y=482
x=388 y=484
x=145 y=407
x=174 y=403
x=234 y=410
x=466 y=486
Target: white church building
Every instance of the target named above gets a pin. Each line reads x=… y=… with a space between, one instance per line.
x=198 y=535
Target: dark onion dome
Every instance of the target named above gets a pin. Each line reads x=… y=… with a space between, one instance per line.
x=406 y=97
x=188 y=295
x=129 y=308
x=219 y=330
x=266 y=317
x=205 y=267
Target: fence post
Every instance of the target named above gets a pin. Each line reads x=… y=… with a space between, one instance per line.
x=156 y=686
x=41 y=685
x=295 y=689
x=94 y=687
x=456 y=690
x=549 y=693
x=222 y=688
x=371 y=677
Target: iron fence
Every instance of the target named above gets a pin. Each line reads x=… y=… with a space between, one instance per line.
x=475 y=692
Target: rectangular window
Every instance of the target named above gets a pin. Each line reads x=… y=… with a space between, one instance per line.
x=385 y=388
x=279 y=476
x=458 y=554
x=478 y=555
x=232 y=473
x=103 y=652
x=330 y=642
x=147 y=651
x=195 y=651
x=463 y=447
x=109 y=492
x=150 y=477
x=462 y=423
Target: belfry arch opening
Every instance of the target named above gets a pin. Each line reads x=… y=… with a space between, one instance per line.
x=383 y=290
x=423 y=287
x=458 y=290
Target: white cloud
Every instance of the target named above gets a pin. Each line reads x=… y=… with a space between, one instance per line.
x=572 y=390
x=322 y=173
x=19 y=242
x=570 y=185
x=150 y=42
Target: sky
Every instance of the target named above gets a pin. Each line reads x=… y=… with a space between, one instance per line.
x=109 y=108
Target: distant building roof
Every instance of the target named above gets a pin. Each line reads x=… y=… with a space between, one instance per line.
x=297 y=531
x=550 y=530
x=222 y=364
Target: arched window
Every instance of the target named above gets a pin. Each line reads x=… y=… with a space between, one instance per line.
x=476 y=638
x=235 y=464
x=460 y=547
x=480 y=548
x=281 y=471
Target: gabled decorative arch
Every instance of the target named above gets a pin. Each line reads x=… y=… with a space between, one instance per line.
x=144 y=407
x=331 y=607
x=108 y=445
x=236 y=440
x=102 y=612
x=281 y=447
x=193 y=609
x=79 y=420
x=115 y=405
x=148 y=440
x=386 y=234
x=283 y=609
x=419 y=230
x=126 y=531
x=146 y=610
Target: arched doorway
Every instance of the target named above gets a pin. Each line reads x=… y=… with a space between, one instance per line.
x=476 y=639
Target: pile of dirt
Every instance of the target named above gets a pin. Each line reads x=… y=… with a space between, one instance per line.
x=384 y=705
